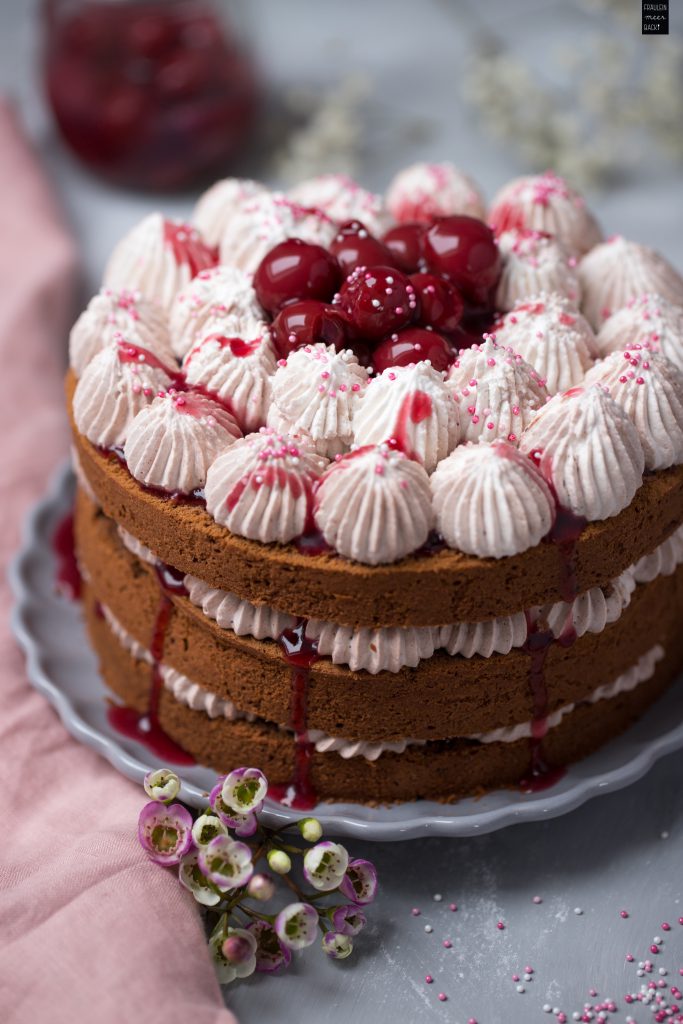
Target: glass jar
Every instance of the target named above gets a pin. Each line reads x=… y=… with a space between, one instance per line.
x=153 y=94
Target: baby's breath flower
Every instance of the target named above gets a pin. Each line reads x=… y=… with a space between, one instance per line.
x=192 y=877
x=165 y=832
x=226 y=862
x=348 y=920
x=162 y=784
x=225 y=969
x=261 y=887
x=296 y=925
x=279 y=862
x=325 y=865
x=337 y=945
x=360 y=882
x=271 y=954
x=310 y=829
x=206 y=828
x=244 y=790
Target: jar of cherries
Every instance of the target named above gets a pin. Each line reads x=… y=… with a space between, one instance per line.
x=154 y=94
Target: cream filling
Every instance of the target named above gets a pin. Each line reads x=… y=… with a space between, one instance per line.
x=391 y=649
x=197 y=698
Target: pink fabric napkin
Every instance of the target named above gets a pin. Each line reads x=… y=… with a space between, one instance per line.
x=89 y=929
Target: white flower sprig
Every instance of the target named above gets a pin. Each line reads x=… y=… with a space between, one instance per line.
x=219 y=870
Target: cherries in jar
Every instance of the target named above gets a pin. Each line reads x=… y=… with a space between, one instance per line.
x=156 y=94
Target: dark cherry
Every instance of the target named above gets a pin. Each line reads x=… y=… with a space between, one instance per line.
x=354 y=247
x=441 y=305
x=405 y=244
x=295 y=270
x=308 y=322
x=463 y=249
x=361 y=349
x=410 y=346
x=473 y=326
x=379 y=301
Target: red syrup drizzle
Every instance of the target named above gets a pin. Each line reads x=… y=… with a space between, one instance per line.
x=415 y=408
x=144 y=726
x=187 y=247
x=300 y=653
x=68 y=578
x=564 y=533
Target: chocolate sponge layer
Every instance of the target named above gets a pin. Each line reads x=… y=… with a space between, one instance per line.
x=447 y=586
x=445 y=696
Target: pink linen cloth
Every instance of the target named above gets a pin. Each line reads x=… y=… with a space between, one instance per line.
x=89 y=929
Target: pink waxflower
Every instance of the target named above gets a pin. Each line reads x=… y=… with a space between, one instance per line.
x=360 y=882
x=337 y=945
x=243 y=825
x=192 y=878
x=165 y=833
x=241 y=951
x=244 y=790
x=296 y=925
x=348 y=920
x=226 y=862
x=271 y=954
x=325 y=865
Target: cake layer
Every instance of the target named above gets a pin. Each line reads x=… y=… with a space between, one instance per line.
x=442 y=770
x=422 y=590
x=444 y=696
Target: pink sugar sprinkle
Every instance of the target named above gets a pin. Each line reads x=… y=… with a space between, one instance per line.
x=666 y=927
x=443 y=997
x=536 y=899
x=629 y=957
x=428 y=979
x=453 y=906
x=680 y=920
x=447 y=944
x=515 y=977
x=562 y=1017
x=623 y=913
x=415 y=912
x=500 y=926
x=528 y=970
x=654 y=949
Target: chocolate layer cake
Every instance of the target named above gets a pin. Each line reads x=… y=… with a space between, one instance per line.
x=389 y=497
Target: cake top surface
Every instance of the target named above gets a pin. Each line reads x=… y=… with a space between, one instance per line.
x=397 y=364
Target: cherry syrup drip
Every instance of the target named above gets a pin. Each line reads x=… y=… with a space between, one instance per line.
x=197 y=497
x=68 y=578
x=187 y=247
x=414 y=409
x=145 y=726
x=300 y=653
x=139 y=356
x=432 y=546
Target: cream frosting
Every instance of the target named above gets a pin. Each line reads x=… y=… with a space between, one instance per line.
x=266 y=220
x=424 y=191
x=495 y=636
x=663 y=561
x=533 y=263
x=497 y=391
x=549 y=332
x=111 y=392
x=650 y=391
x=238 y=372
x=316 y=392
x=413 y=406
x=159 y=257
x=172 y=443
x=589 y=449
x=221 y=299
x=373 y=650
x=649 y=320
x=342 y=199
x=490 y=501
x=136 y=547
x=373 y=505
x=545 y=202
x=112 y=313
x=262 y=487
x=639 y=673
x=230 y=612
x=589 y=612
x=216 y=208
x=617 y=271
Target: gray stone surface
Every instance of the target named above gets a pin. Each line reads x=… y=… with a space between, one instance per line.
x=608 y=855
